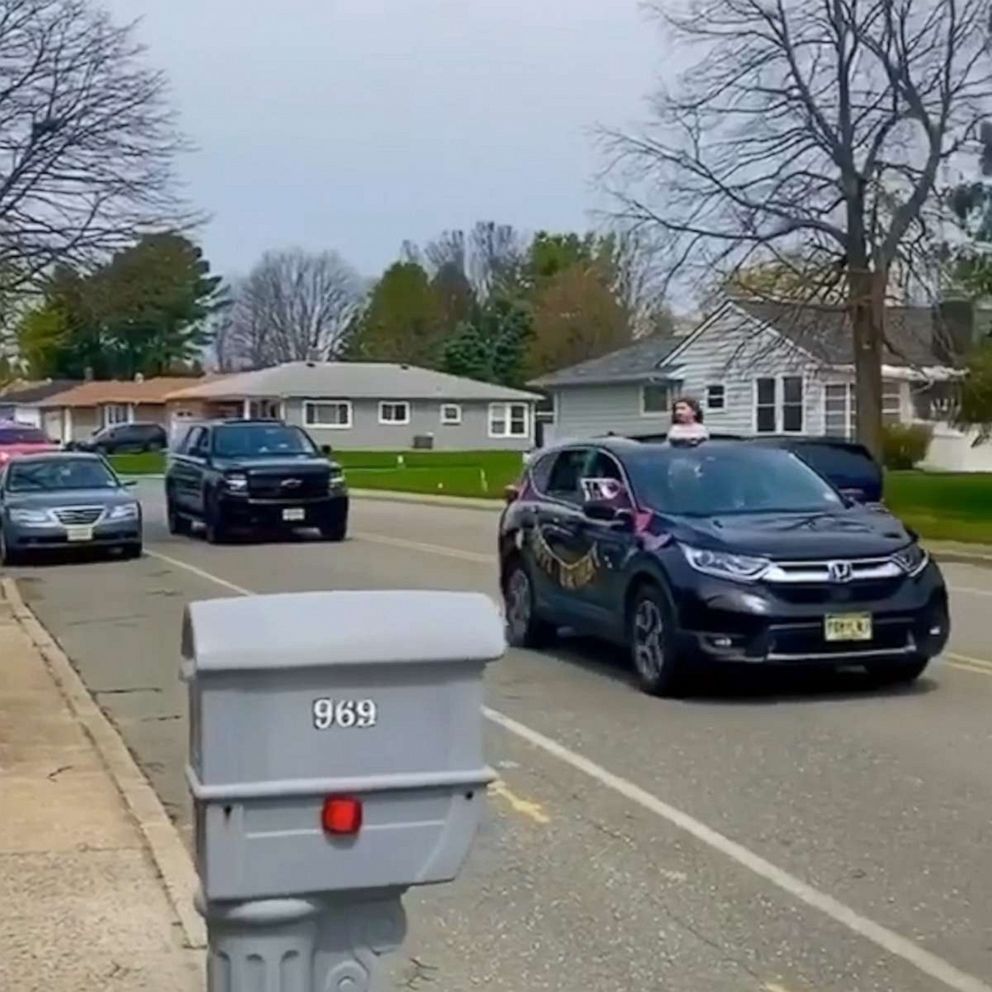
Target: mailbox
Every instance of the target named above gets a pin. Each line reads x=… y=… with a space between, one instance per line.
x=336 y=739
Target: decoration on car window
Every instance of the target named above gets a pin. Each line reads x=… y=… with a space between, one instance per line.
x=602 y=490
x=568 y=574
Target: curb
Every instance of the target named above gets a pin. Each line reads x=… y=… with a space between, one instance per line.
x=172 y=861
x=397 y=496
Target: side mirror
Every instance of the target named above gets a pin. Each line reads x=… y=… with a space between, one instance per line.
x=325 y=449
x=511 y=494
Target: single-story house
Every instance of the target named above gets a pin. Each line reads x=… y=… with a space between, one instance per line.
x=20 y=401
x=766 y=368
x=371 y=405
x=74 y=414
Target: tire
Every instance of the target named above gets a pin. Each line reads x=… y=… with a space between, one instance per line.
x=214 y=525
x=899 y=673
x=335 y=531
x=177 y=523
x=651 y=638
x=524 y=628
x=133 y=550
x=8 y=558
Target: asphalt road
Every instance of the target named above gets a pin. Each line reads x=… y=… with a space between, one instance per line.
x=789 y=836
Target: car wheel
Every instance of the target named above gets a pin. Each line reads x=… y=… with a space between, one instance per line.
x=215 y=526
x=660 y=670
x=524 y=628
x=177 y=523
x=337 y=530
x=8 y=556
x=900 y=673
x=132 y=550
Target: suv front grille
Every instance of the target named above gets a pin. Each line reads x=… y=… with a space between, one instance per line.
x=289 y=486
x=890 y=635
x=78 y=515
x=835 y=571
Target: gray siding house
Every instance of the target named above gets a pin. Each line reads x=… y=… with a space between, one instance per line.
x=371 y=406
x=764 y=368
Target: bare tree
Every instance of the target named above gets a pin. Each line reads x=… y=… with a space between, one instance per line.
x=810 y=126
x=293 y=305
x=87 y=139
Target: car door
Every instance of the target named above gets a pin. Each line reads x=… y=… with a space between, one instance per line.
x=560 y=564
x=609 y=542
x=188 y=469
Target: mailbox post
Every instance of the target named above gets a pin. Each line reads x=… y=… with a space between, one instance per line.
x=335 y=760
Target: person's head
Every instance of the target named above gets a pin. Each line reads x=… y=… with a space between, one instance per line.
x=686 y=410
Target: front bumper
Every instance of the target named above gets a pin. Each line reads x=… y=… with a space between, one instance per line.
x=243 y=511
x=53 y=537
x=763 y=624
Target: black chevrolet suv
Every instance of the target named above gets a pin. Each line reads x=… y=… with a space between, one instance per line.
x=253 y=475
x=723 y=553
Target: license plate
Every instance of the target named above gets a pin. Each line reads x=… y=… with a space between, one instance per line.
x=294 y=514
x=849 y=627
x=78 y=532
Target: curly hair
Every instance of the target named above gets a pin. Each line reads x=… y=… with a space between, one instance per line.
x=693 y=404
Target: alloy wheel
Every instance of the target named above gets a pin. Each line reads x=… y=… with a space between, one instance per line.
x=649 y=640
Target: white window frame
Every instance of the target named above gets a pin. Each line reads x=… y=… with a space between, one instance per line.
x=850 y=406
x=451 y=421
x=666 y=409
x=722 y=405
x=779 y=404
x=308 y=420
x=506 y=409
x=391 y=421
x=848 y=387
x=109 y=421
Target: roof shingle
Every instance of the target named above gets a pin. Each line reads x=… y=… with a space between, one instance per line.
x=97 y=393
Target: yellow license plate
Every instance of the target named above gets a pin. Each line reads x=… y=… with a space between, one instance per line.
x=849 y=627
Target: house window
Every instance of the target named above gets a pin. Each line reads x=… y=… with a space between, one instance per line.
x=334 y=414
x=716 y=397
x=792 y=404
x=393 y=412
x=508 y=420
x=654 y=399
x=840 y=401
x=765 y=403
x=116 y=413
x=891 y=401
x=451 y=414
x=778 y=405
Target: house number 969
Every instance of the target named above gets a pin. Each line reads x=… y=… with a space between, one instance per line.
x=344 y=713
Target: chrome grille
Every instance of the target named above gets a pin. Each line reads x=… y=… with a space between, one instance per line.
x=833 y=571
x=78 y=515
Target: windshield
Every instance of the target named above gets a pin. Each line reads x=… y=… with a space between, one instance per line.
x=22 y=435
x=277 y=439
x=57 y=474
x=707 y=481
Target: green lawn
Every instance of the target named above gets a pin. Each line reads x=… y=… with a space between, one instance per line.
x=447 y=473
x=943 y=506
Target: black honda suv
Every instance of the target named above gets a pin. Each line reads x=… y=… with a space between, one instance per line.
x=253 y=475
x=719 y=553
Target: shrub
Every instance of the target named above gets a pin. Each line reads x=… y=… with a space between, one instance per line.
x=905 y=445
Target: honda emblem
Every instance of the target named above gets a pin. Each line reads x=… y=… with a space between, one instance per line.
x=840 y=571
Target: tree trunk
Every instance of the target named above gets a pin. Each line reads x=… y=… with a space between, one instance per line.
x=866 y=303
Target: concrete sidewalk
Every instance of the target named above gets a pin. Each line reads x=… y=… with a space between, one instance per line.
x=82 y=906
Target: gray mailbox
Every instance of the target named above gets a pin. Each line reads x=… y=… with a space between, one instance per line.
x=335 y=759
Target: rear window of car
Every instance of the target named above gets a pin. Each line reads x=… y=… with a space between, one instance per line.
x=837 y=461
x=22 y=435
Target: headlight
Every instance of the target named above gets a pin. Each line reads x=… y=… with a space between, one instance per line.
x=126 y=511
x=336 y=480
x=912 y=559
x=34 y=517
x=723 y=565
x=236 y=482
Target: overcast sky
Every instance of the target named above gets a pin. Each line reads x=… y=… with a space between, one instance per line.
x=355 y=124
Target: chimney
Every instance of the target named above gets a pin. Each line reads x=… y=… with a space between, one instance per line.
x=88 y=374
x=139 y=377
x=954 y=331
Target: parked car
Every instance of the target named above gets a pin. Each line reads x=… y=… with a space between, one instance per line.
x=120 y=439
x=847 y=465
x=22 y=439
x=253 y=475
x=724 y=553
x=61 y=500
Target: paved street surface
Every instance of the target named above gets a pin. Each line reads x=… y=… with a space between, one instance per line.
x=790 y=836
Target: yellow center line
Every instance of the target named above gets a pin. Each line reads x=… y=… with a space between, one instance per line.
x=524 y=807
x=967 y=660
x=970 y=668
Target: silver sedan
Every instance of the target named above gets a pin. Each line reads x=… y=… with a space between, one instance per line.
x=62 y=500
